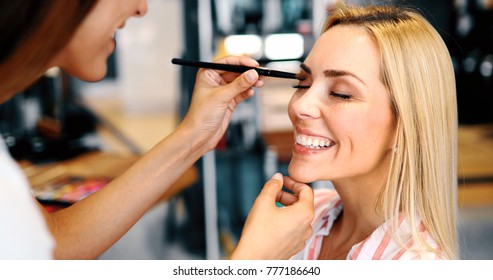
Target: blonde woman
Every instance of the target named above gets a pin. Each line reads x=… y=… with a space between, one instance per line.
x=377 y=117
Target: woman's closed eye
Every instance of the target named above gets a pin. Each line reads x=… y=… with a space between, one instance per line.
x=340 y=95
x=343 y=96
x=298 y=87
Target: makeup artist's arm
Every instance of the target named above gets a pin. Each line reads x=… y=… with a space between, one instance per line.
x=88 y=228
x=277 y=232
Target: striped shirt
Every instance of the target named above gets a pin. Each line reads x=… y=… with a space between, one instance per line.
x=378 y=246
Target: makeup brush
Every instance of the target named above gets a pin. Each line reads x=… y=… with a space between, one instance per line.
x=238 y=68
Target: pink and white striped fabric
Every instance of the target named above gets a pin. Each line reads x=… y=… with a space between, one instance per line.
x=378 y=246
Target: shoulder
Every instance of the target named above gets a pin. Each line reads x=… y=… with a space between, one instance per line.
x=403 y=244
x=24 y=232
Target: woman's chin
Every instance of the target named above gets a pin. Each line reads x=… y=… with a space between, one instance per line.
x=300 y=176
x=93 y=77
x=89 y=74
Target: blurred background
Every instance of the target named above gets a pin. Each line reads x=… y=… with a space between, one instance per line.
x=64 y=128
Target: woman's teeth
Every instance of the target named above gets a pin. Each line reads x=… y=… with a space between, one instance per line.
x=313 y=142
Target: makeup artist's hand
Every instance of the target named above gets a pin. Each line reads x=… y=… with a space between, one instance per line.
x=272 y=232
x=216 y=95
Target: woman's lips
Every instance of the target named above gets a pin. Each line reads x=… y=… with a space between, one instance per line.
x=313 y=142
x=306 y=142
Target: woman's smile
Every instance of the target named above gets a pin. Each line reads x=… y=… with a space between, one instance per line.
x=306 y=143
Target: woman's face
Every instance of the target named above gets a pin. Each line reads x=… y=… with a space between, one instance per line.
x=341 y=114
x=86 y=54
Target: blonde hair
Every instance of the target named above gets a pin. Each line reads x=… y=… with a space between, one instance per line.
x=417 y=70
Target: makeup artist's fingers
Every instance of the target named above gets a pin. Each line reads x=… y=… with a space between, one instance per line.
x=286 y=198
x=292 y=185
x=305 y=197
x=271 y=189
x=240 y=85
x=291 y=224
x=244 y=95
x=301 y=190
x=238 y=60
x=249 y=93
x=259 y=83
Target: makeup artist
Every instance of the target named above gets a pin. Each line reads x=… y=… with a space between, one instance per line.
x=77 y=36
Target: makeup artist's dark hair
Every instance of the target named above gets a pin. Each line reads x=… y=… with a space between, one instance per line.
x=32 y=32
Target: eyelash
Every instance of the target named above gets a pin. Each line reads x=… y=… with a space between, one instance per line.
x=300 y=87
x=335 y=94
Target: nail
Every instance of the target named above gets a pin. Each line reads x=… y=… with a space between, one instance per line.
x=277 y=176
x=250 y=76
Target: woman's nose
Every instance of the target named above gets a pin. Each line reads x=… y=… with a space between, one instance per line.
x=141 y=9
x=307 y=105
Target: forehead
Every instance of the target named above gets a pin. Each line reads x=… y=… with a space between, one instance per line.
x=348 y=48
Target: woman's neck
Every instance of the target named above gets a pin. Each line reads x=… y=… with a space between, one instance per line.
x=357 y=220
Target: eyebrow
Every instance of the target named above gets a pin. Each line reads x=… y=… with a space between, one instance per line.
x=333 y=73
x=305 y=68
